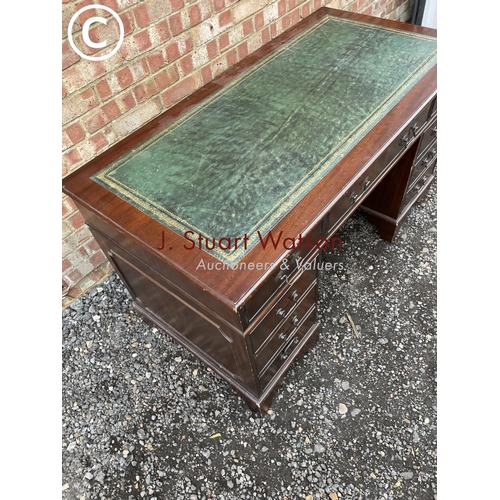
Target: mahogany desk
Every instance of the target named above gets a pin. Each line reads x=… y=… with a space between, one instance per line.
x=338 y=112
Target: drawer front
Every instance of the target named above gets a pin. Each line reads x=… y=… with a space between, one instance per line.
x=422 y=182
x=283 y=310
x=434 y=107
x=287 y=348
x=428 y=158
x=409 y=134
x=350 y=200
x=285 y=330
x=281 y=277
x=429 y=137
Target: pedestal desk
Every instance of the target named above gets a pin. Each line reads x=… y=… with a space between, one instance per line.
x=260 y=168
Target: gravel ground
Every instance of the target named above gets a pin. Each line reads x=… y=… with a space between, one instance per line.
x=355 y=418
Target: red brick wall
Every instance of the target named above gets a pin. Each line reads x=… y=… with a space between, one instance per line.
x=171 y=48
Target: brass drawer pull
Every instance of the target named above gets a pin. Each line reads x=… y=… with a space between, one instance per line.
x=281 y=312
x=295 y=295
x=404 y=141
x=282 y=275
x=353 y=197
x=414 y=129
x=295 y=321
x=366 y=183
x=434 y=132
x=286 y=352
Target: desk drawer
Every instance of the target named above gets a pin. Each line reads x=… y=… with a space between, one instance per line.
x=422 y=164
x=419 y=187
x=409 y=134
x=429 y=137
x=287 y=348
x=286 y=331
x=350 y=200
x=283 y=310
x=281 y=276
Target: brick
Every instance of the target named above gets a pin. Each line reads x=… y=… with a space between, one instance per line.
x=97 y=259
x=125 y=77
x=295 y=17
x=242 y=50
x=212 y=49
x=99 y=142
x=104 y=90
x=141 y=15
x=274 y=30
x=179 y=91
x=162 y=31
x=69 y=56
x=111 y=111
x=137 y=117
x=66 y=264
x=143 y=41
x=172 y=51
x=225 y=18
x=368 y=10
x=76 y=220
x=232 y=58
x=223 y=41
x=305 y=10
x=156 y=61
x=77 y=104
x=291 y=4
x=219 y=5
x=281 y=7
x=72 y=159
x=317 y=4
x=247 y=27
x=176 y=4
x=186 y=64
x=95 y=121
x=145 y=90
x=286 y=22
x=247 y=8
x=206 y=74
x=92 y=246
x=126 y=101
x=259 y=21
x=266 y=35
x=176 y=25
x=74 y=276
x=75 y=133
x=194 y=14
x=166 y=78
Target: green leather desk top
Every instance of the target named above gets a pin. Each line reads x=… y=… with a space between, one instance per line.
x=240 y=160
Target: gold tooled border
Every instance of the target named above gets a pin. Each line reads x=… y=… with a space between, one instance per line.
x=291 y=198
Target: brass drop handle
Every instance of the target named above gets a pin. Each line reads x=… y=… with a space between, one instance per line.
x=295 y=295
x=281 y=312
x=286 y=352
x=295 y=321
x=434 y=131
x=414 y=128
x=366 y=183
x=353 y=197
x=404 y=141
